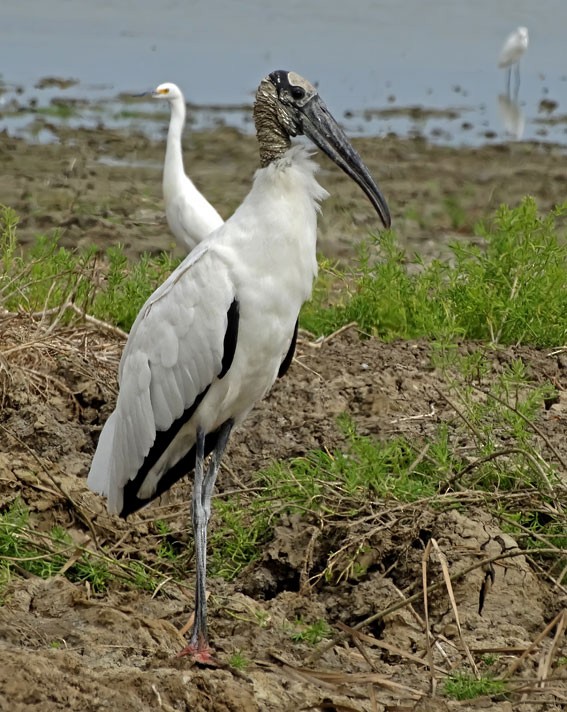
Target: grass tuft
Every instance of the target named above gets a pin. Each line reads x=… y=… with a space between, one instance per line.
x=312 y=634
x=464 y=686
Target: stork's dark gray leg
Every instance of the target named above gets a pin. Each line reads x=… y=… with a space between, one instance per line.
x=202 y=494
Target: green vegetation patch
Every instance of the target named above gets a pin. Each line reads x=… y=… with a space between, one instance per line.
x=71 y=283
x=465 y=686
x=45 y=555
x=508 y=290
x=501 y=465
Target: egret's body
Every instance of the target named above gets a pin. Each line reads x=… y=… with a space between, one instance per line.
x=511 y=53
x=211 y=341
x=189 y=214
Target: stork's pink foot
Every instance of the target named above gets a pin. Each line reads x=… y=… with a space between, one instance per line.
x=200 y=653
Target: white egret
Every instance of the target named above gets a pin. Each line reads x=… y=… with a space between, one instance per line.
x=511 y=53
x=214 y=337
x=189 y=214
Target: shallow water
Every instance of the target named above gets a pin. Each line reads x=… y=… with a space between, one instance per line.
x=368 y=55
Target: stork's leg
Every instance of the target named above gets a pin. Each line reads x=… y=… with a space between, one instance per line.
x=202 y=494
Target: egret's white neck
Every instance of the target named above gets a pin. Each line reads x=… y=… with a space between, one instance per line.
x=173 y=154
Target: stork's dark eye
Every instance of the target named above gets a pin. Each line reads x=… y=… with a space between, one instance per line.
x=297 y=93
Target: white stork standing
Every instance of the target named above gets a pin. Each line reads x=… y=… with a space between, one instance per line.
x=212 y=339
x=189 y=214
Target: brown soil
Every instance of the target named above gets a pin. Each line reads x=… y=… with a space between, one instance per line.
x=62 y=647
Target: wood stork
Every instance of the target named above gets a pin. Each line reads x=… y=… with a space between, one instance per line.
x=189 y=214
x=511 y=53
x=214 y=337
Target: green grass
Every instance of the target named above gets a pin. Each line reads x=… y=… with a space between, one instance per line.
x=381 y=469
x=237 y=540
x=49 y=276
x=128 y=285
x=239 y=661
x=22 y=549
x=58 y=111
x=509 y=290
x=369 y=467
x=464 y=686
x=311 y=634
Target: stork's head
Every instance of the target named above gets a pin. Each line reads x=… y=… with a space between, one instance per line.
x=167 y=91
x=288 y=105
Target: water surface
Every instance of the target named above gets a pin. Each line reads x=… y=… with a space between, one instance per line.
x=366 y=56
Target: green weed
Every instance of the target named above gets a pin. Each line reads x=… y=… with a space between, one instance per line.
x=22 y=549
x=312 y=634
x=239 y=661
x=464 y=686
x=51 y=277
x=237 y=538
x=510 y=290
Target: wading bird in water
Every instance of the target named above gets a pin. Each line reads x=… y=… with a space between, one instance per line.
x=213 y=338
x=511 y=53
x=189 y=214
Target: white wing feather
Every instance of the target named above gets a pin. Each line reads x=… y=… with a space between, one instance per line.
x=174 y=351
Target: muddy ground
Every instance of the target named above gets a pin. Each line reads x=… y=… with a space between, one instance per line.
x=104 y=187
x=63 y=647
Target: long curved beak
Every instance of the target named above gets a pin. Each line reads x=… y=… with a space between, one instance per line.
x=319 y=125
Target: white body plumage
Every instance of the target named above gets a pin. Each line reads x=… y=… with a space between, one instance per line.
x=189 y=214
x=264 y=257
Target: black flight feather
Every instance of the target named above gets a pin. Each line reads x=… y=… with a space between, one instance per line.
x=164 y=438
x=286 y=363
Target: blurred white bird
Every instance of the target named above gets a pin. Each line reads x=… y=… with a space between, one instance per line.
x=213 y=338
x=189 y=214
x=511 y=53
